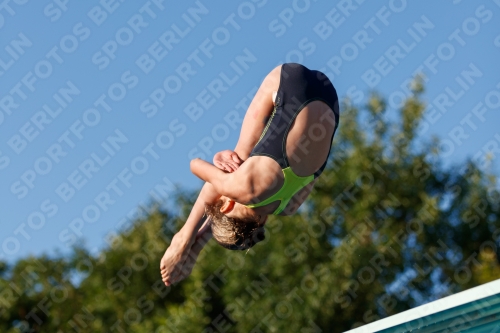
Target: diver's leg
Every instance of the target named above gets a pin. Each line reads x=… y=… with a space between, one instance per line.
x=257 y=114
x=310 y=138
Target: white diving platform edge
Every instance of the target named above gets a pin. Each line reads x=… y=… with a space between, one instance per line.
x=474 y=310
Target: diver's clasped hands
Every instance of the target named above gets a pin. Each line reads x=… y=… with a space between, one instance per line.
x=227 y=160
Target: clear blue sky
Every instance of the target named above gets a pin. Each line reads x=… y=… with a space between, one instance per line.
x=102 y=101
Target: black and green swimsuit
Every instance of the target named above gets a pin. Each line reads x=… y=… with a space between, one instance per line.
x=298 y=87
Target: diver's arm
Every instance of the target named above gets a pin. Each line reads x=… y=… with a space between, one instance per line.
x=231 y=185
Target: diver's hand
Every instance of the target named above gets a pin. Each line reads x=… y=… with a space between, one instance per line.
x=227 y=160
x=171 y=265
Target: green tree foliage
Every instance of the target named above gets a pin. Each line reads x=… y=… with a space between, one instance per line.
x=387 y=228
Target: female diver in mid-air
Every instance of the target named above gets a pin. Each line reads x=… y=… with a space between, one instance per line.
x=284 y=143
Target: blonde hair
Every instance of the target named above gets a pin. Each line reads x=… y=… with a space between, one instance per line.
x=233 y=233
